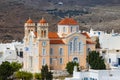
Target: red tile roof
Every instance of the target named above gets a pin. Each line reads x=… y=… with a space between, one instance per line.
x=56 y=41
x=90 y=42
x=54 y=38
x=86 y=34
x=68 y=21
x=53 y=35
x=42 y=21
x=29 y=21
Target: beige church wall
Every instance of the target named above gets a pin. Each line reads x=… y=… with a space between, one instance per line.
x=46 y=56
x=56 y=56
x=80 y=56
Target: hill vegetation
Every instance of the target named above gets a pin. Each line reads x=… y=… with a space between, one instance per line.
x=98 y=14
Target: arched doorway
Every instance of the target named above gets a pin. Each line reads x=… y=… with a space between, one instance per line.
x=75 y=59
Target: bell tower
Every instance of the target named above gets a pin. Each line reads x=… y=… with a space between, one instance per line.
x=43 y=43
x=42 y=29
x=29 y=27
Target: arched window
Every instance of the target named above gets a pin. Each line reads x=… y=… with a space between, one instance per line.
x=30 y=40
x=71 y=29
x=75 y=44
x=44 y=33
x=77 y=29
x=43 y=61
x=70 y=46
x=75 y=59
x=81 y=47
x=63 y=29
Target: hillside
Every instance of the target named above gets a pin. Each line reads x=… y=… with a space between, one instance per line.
x=99 y=14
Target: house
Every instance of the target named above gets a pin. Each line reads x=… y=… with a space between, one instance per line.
x=95 y=75
x=11 y=52
x=110 y=48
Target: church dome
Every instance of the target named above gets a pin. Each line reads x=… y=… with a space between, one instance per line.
x=68 y=21
x=29 y=20
x=42 y=21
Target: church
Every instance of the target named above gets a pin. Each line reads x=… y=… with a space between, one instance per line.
x=55 y=49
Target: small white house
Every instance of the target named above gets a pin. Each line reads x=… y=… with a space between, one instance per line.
x=12 y=52
x=96 y=75
x=110 y=47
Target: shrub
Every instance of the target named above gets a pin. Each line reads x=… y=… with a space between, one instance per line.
x=23 y=75
x=70 y=66
x=38 y=76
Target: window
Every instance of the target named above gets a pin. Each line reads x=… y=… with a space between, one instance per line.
x=50 y=60
x=85 y=78
x=98 y=33
x=77 y=29
x=61 y=60
x=71 y=29
x=43 y=51
x=21 y=54
x=44 y=43
x=43 y=61
x=70 y=46
x=109 y=60
x=61 y=51
x=117 y=50
x=75 y=44
x=44 y=33
x=30 y=40
x=10 y=52
x=80 y=47
x=63 y=29
x=31 y=61
x=51 y=51
x=75 y=59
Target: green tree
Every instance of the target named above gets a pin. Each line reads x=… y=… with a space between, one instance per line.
x=16 y=66
x=38 y=76
x=95 y=60
x=70 y=66
x=45 y=73
x=7 y=69
x=23 y=75
x=97 y=43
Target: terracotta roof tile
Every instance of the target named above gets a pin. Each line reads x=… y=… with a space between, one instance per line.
x=53 y=35
x=42 y=21
x=68 y=21
x=90 y=42
x=56 y=41
x=54 y=38
x=29 y=21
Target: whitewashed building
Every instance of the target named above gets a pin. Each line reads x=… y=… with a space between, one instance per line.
x=110 y=47
x=96 y=75
x=12 y=52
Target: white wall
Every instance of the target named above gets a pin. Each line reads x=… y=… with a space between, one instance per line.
x=8 y=51
x=97 y=75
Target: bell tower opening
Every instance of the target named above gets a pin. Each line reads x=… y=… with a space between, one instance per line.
x=42 y=29
x=29 y=27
